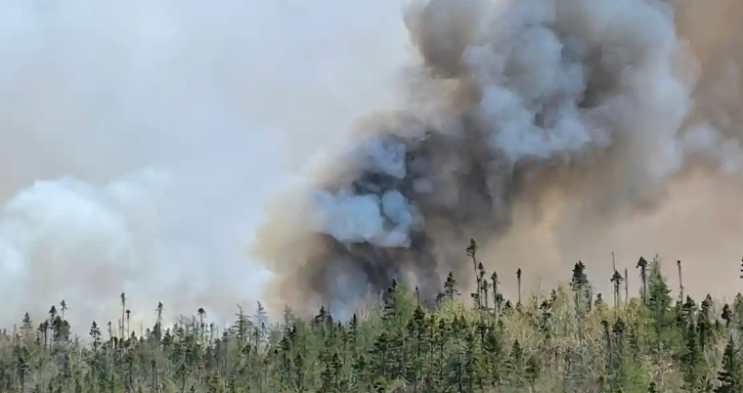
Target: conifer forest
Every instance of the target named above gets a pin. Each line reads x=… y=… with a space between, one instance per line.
x=572 y=340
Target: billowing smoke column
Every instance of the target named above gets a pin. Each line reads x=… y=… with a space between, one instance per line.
x=511 y=99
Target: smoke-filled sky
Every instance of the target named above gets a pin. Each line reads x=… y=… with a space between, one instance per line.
x=141 y=141
x=550 y=131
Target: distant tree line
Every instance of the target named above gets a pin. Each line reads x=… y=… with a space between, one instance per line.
x=572 y=340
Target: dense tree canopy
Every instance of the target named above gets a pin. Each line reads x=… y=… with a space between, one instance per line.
x=570 y=341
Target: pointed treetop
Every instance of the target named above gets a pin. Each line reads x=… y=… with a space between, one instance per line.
x=579 y=278
x=642 y=263
x=449 y=285
x=472 y=248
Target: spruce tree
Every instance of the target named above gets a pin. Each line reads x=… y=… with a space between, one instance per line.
x=730 y=375
x=581 y=287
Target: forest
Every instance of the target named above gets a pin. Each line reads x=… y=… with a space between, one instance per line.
x=570 y=340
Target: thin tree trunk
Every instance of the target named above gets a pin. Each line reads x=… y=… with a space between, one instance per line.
x=626 y=286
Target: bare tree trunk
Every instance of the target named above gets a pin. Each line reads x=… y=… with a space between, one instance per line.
x=472 y=253
x=518 y=281
x=626 y=285
x=681 y=283
x=496 y=305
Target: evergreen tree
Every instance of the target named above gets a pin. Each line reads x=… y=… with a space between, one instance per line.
x=402 y=344
x=450 y=286
x=730 y=375
x=659 y=307
x=581 y=287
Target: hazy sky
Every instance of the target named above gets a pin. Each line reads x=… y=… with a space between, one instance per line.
x=143 y=136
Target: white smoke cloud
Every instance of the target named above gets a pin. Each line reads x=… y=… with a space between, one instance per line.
x=69 y=240
x=138 y=140
x=385 y=221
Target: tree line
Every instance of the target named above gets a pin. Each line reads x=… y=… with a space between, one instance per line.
x=570 y=340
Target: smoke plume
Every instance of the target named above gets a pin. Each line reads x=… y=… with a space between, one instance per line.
x=539 y=128
x=138 y=140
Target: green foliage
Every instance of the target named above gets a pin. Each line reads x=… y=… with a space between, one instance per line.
x=730 y=374
x=567 y=341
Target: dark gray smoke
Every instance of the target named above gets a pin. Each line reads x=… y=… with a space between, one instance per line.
x=525 y=104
